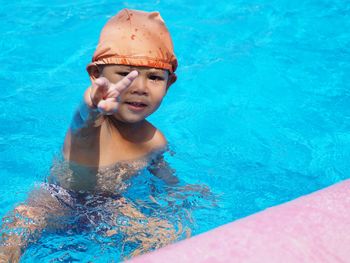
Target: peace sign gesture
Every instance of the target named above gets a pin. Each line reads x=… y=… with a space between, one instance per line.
x=103 y=95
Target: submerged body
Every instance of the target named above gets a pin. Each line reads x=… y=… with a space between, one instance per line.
x=80 y=197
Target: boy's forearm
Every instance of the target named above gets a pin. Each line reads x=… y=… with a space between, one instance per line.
x=86 y=115
x=162 y=170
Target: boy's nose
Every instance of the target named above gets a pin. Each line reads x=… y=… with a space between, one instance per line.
x=138 y=86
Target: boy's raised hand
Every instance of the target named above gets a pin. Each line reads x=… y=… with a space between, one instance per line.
x=103 y=95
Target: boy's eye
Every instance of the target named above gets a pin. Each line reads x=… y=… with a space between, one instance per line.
x=156 y=78
x=122 y=73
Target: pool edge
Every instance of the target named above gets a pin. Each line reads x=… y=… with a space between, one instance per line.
x=311 y=228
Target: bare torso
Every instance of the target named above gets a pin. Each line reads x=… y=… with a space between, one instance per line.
x=109 y=161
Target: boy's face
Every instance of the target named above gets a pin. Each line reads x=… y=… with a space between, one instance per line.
x=143 y=96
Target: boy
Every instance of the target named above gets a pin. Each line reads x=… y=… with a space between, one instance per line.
x=109 y=139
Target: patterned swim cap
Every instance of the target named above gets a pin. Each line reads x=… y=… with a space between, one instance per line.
x=136 y=38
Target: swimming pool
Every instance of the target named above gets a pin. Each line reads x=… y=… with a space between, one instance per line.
x=259 y=113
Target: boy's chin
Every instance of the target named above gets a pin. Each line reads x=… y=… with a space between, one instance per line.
x=132 y=119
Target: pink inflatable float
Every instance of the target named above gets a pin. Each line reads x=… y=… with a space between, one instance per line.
x=312 y=228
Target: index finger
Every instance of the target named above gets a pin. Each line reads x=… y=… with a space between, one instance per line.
x=126 y=81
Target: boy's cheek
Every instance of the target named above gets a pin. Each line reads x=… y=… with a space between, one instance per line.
x=156 y=106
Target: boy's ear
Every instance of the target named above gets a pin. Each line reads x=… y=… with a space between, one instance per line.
x=171 y=79
x=94 y=71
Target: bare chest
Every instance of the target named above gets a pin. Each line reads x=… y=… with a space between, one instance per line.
x=114 y=149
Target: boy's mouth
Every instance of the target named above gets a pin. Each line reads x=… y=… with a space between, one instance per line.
x=136 y=105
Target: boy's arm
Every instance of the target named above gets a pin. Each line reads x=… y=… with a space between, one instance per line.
x=87 y=115
x=161 y=169
x=83 y=131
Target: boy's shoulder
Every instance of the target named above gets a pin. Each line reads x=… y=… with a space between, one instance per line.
x=158 y=140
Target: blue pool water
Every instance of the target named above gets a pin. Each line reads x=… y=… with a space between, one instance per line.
x=260 y=112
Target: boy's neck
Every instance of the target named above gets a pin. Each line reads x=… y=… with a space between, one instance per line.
x=132 y=132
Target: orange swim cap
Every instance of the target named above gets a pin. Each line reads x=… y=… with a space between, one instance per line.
x=136 y=38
